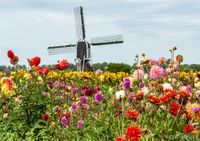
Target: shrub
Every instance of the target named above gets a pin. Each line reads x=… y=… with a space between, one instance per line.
x=118 y=67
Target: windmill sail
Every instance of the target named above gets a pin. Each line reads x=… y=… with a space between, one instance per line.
x=114 y=39
x=63 y=49
x=79 y=23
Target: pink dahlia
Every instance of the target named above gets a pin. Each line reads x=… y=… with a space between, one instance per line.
x=138 y=74
x=153 y=61
x=157 y=72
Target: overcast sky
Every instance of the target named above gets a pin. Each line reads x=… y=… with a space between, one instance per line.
x=28 y=27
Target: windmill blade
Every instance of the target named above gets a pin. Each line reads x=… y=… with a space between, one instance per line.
x=63 y=49
x=79 y=23
x=114 y=39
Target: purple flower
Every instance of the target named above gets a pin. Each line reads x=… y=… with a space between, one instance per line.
x=58 y=93
x=97 y=89
x=164 y=73
x=83 y=100
x=57 y=110
x=74 y=90
x=45 y=93
x=80 y=123
x=189 y=89
x=141 y=84
x=64 y=120
x=59 y=84
x=50 y=83
x=126 y=83
x=126 y=79
x=184 y=83
x=131 y=95
x=98 y=97
x=74 y=106
x=196 y=109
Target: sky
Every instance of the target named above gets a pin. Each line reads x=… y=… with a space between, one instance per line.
x=29 y=27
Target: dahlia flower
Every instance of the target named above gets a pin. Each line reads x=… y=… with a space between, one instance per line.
x=167 y=86
x=80 y=123
x=133 y=133
x=120 y=94
x=98 y=97
x=157 y=72
x=138 y=74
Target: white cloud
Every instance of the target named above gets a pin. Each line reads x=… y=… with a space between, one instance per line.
x=148 y=26
x=44 y=16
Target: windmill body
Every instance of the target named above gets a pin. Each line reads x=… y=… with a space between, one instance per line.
x=83 y=47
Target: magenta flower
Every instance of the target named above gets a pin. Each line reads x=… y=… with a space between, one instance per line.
x=189 y=88
x=64 y=120
x=50 y=84
x=184 y=83
x=74 y=90
x=45 y=116
x=59 y=84
x=58 y=110
x=45 y=93
x=88 y=92
x=83 y=100
x=157 y=72
x=98 y=89
x=74 y=106
x=98 y=97
x=131 y=95
x=196 y=109
x=126 y=83
x=80 y=123
x=141 y=84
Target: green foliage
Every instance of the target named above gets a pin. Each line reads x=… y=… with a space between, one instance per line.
x=191 y=67
x=118 y=67
x=101 y=66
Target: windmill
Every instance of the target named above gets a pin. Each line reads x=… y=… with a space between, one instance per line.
x=83 y=52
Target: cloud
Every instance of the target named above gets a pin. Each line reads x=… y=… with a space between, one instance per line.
x=147 y=25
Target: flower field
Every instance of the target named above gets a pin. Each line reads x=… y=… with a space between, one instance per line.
x=154 y=103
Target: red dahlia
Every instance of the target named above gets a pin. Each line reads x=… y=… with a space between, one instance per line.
x=188 y=128
x=46 y=71
x=34 y=62
x=10 y=54
x=39 y=69
x=45 y=116
x=63 y=64
x=174 y=108
x=133 y=133
x=58 y=67
x=132 y=113
x=14 y=60
x=120 y=138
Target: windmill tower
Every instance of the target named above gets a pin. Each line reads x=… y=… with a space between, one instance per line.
x=83 y=52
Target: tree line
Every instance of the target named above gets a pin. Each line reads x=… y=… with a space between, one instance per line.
x=113 y=67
